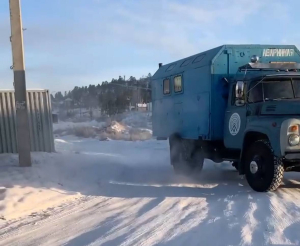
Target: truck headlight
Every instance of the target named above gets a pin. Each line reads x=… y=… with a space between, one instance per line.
x=294 y=139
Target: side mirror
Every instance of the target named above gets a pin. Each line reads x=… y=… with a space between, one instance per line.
x=239 y=93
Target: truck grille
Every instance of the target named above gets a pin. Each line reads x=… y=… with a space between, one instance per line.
x=271 y=108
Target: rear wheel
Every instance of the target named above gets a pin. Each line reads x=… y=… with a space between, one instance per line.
x=186 y=157
x=263 y=170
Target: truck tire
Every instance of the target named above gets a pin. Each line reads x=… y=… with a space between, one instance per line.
x=263 y=170
x=186 y=159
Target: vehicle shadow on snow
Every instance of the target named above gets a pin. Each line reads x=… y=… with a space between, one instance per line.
x=236 y=214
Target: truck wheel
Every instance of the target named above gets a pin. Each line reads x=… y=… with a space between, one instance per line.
x=185 y=158
x=263 y=170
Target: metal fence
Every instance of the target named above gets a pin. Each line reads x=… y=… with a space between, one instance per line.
x=40 y=121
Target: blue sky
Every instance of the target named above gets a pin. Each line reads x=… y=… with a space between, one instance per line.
x=82 y=42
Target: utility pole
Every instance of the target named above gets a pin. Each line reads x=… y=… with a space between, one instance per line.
x=23 y=133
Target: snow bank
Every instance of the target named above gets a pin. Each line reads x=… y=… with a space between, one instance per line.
x=61 y=126
x=129 y=126
x=53 y=179
x=27 y=190
x=77 y=170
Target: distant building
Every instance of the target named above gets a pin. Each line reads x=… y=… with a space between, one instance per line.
x=141 y=106
x=68 y=102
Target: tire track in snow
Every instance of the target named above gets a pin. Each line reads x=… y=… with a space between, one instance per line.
x=129 y=222
x=168 y=221
x=192 y=213
x=161 y=233
x=22 y=224
x=278 y=220
x=144 y=228
x=228 y=211
x=107 y=219
x=292 y=201
x=219 y=227
x=169 y=217
x=251 y=223
x=285 y=213
x=74 y=220
x=100 y=233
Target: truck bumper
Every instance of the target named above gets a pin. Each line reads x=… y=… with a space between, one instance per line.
x=292 y=156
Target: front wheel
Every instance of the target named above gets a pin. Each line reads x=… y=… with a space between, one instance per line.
x=263 y=170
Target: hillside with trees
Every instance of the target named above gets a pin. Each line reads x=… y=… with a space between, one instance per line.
x=110 y=97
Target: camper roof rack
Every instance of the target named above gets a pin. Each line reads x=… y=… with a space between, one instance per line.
x=271 y=66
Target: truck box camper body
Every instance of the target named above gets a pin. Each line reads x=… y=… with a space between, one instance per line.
x=219 y=103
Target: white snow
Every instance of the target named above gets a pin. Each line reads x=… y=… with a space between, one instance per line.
x=123 y=193
x=130 y=126
x=62 y=125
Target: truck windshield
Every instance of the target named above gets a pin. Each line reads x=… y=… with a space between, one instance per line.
x=296 y=85
x=274 y=89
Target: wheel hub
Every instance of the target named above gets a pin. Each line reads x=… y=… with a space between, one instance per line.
x=253 y=167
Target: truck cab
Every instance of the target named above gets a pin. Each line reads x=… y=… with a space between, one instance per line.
x=262 y=120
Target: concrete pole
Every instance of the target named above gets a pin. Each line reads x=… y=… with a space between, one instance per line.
x=23 y=134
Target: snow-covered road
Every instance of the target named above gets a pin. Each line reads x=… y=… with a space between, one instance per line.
x=130 y=196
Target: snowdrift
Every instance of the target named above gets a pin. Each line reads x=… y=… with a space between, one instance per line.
x=132 y=126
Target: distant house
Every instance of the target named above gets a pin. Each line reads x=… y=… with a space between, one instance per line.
x=68 y=102
x=141 y=106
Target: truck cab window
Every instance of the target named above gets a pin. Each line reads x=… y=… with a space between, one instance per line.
x=271 y=89
x=255 y=93
x=178 y=83
x=278 y=89
x=166 y=85
x=296 y=85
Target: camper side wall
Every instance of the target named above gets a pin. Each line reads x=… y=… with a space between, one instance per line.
x=181 y=104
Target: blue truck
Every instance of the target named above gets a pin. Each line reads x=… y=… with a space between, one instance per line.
x=236 y=103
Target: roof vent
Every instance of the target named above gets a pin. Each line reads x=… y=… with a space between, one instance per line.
x=159 y=64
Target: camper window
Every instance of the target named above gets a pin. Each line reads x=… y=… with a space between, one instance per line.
x=199 y=58
x=178 y=83
x=186 y=62
x=166 y=85
x=171 y=67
